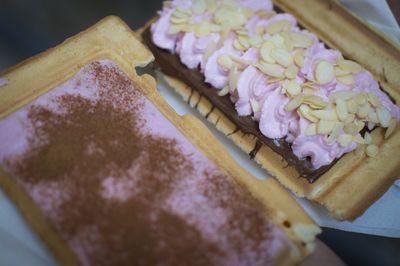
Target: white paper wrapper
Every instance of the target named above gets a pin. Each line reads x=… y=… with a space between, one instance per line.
x=20 y=246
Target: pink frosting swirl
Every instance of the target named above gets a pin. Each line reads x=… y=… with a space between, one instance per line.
x=316 y=148
x=275 y=121
x=214 y=74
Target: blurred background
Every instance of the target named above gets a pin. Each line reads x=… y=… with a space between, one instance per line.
x=28 y=27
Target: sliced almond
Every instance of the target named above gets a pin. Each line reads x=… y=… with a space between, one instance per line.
x=202 y=29
x=308 y=91
x=181 y=13
x=350 y=118
x=181 y=10
x=363 y=111
x=340 y=72
x=360 y=98
x=384 y=116
x=230 y=15
x=224 y=91
x=367 y=138
x=292 y=87
x=244 y=41
x=325 y=114
x=287 y=40
x=315 y=102
x=240 y=61
x=233 y=78
x=263 y=14
x=299 y=58
x=178 y=20
x=324 y=72
x=199 y=7
x=311 y=129
x=294 y=103
x=167 y=4
x=337 y=129
x=325 y=127
x=241 y=31
x=255 y=106
x=360 y=125
x=373 y=117
x=343 y=95
x=370 y=125
x=248 y=12
x=224 y=33
x=278 y=26
x=272 y=70
x=373 y=99
x=282 y=57
x=341 y=109
x=352 y=106
x=291 y=72
x=273 y=80
x=238 y=45
x=256 y=41
x=265 y=52
x=305 y=111
x=358 y=139
x=209 y=50
x=372 y=150
x=225 y=61
x=211 y=6
x=300 y=40
x=346 y=79
x=260 y=30
x=349 y=66
x=176 y=28
x=344 y=140
x=350 y=128
x=392 y=126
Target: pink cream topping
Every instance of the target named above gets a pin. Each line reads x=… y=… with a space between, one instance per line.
x=281 y=75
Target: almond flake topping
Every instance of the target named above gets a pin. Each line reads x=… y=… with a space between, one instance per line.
x=272 y=70
x=282 y=57
x=300 y=40
x=278 y=26
x=324 y=72
x=325 y=126
x=225 y=61
x=349 y=66
x=292 y=87
x=294 y=103
x=224 y=91
x=325 y=114
x=392 y=127
x=383 y=116
x=344 y=140
x=372 y=150
x=311 y=129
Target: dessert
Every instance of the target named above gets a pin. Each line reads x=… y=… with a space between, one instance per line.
x=108 y=174
x=273 y=87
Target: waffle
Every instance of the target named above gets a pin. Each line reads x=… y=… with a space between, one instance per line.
x=112 y=40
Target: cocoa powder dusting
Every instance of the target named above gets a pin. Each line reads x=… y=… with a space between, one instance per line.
x=91 y=140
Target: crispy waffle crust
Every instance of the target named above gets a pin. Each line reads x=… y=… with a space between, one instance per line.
x=112 y=39
x=355 y=181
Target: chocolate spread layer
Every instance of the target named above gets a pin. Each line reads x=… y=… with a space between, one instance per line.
x=171 y=65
